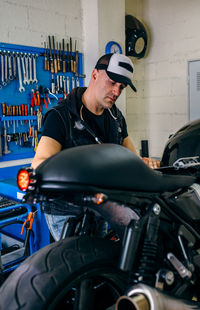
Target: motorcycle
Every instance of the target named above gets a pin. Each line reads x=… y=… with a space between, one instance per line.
x=131 y=238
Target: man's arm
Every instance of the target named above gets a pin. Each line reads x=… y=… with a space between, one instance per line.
x=128 y=143
x=151 y=162
x=47 y=147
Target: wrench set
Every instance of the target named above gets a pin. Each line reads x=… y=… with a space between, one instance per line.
x=17 y=65
x=40 y=77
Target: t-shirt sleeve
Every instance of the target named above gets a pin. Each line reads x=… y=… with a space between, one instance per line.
x=54 y=128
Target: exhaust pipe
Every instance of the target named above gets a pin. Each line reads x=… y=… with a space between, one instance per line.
x=143 y=297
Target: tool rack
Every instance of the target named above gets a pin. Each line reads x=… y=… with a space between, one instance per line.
x=14 y=93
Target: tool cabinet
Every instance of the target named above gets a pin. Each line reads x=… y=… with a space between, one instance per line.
x=27 y=90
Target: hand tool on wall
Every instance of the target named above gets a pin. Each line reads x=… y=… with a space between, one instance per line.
x=30 y=68
x=51 y=65
x=73 y=82
x=2 y=70
x=75 y=66
x=46 y=94
x=21 y=88
x=17 y=112
x=34 y=97
x=68 y=88
x=76 y=63
x=7 y=114
x=68 y=58
x=77 y=82
x=58 y=84
x=53 y=86
x=45 y=57
x=63 y=57
x=22 y=110
x=25 y=111
x=10 y=72
x=25 y=81
x=38 y=96
x=39 y=119
x=34 y=69
x=64 y=87
x=3 y=107
x=58 y=57
x=13 y=114
x=14 y=65
x=26 y=59
x=71 y=57
x=54 y=56
x=6 y=66
x=61 y=84
x=6 y=150
x=42 y=93
x=35 y=140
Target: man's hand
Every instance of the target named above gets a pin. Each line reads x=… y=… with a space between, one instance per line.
x=151 y=162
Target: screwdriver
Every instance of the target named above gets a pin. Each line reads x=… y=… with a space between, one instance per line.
x=17 y=112
x=20 y=112
x=22 y=109
x=7 y=113
x=36 y=140
x=13 y=113
x=63 y=57
x=45 y=57
x=3 y=105
x=26 y=112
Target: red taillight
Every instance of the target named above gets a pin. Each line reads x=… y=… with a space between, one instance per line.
x=23 y=179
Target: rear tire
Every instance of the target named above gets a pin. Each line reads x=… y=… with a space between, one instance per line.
x=51 y=278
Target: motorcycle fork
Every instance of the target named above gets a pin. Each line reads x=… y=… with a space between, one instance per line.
x=133 y=234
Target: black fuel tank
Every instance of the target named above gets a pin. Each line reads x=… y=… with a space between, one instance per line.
x=184 y=143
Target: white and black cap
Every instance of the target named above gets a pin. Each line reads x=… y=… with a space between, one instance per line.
x=118 y=67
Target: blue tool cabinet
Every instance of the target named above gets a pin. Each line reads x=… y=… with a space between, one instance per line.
x=17 y=127
x=19 y=91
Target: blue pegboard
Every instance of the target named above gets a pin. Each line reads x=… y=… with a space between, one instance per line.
x=10 y=95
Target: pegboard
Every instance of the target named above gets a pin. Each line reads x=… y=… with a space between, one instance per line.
x=12 y=95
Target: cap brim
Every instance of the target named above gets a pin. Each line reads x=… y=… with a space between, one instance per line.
x=120 y=79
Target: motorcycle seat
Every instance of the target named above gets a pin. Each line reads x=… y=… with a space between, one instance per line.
x=107 y=166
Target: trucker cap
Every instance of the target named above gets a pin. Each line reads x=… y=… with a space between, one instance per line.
x=118 y=67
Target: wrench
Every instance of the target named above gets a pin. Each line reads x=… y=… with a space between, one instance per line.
x=14 y=65
x=73 y=82
x=6 y=66
x=34 y=69
x=11 y=77
x=77 y=82
x=2 y=71
x=30 y=68
x=68 y=90
x=21 y=88
x=24 y=70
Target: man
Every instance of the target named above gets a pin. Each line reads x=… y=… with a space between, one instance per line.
x=89 y=115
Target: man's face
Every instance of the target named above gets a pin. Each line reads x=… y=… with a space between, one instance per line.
x=107 y=90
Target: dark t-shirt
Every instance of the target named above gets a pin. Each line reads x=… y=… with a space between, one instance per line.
x=100 y=125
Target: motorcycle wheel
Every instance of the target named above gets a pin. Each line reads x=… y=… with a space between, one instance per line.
x=76 y=273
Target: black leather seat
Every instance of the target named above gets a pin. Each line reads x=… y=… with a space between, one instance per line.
x=107 y=166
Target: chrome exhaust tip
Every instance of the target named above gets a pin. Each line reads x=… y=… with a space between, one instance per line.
x=137 y=302
x=143 y=297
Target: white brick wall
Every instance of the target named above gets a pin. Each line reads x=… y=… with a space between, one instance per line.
x=160 y=106
x=29 y=22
